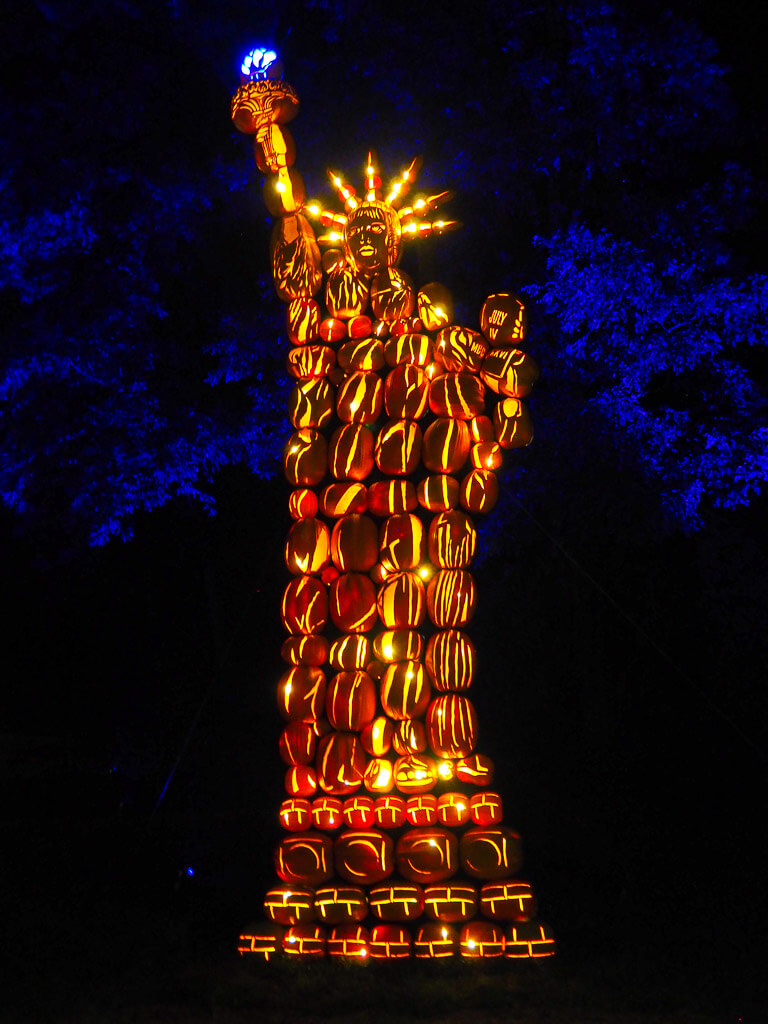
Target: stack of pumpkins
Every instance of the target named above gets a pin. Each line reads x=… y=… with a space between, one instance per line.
x=388 y=816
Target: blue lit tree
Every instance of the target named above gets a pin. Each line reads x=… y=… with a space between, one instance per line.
x=589 y=151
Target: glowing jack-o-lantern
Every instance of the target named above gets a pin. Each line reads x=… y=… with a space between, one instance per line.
x=479 y=491
x=392 y=295
x=301 y=780
x=376 y=737
x=308 y=548
x=451 y=598
x=477 y=770
x=389 y=497
x=350 y=701
x=438 y=493
x=503 y=320
x=305 y=940
x=343 y=499
x=297 y=743
x=427 y=854
x=360 y=397
x=358 y=812
x=352 y=603
x=340 y=763
x=364 y=856
x=309 y=649
x=410 y=737
x=398 y=902
x=361 y=354
x=305 y=458
x=453 y=809
x=397 y=645
x=405 y=690
x=401 y=601
x=296 y=814
x=346 y=292
x=290 y=905
x=354 y=543
x=481 y=939
x=486 y=808
x=326 y=813
x=305 y=606
x=528 y=940
x=490 y=853
x=421 y=810
x=350 y=453
x=398 y=447
x=340 y=904
x=349 y=652
x=405 y=347
x=435 y=941
x=389 y=811
x=450 y=660
x=446 y=445
x=459 y=395
x=451 y=726
x=406 y=392
x=348 y=940
x=310 y=404
x=401 y=542
x=452 y=540
x=301 y=694
x=305 y=859
x=295 y=258
x=379 y=775
x=451 y=903
x=415 y=773
x=308 y=362
x=435 y=306
x=303 y=321
x=508 y=901
x=389 y=942
x=302 y=503
x=263 y=941
x=459 y=348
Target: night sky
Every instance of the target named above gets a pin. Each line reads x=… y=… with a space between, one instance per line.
x=622 y=588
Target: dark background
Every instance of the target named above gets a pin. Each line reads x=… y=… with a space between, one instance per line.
x=621 y=682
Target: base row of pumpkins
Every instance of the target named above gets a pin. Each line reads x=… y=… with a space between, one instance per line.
x=477 y=939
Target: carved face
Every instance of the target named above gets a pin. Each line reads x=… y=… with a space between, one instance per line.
x=372 y=237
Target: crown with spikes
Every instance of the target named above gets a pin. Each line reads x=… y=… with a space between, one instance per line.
x=412 y=220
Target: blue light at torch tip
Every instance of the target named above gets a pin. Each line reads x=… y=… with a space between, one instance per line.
x=257 y=62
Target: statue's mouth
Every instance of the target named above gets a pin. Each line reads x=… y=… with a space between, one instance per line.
x=366 y=249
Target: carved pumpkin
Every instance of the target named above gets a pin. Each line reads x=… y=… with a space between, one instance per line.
x=410 y=737
x=507 y=901
x=450 y=904
x=435 y=306
x=284 y=192
x=305 y=650
x=308 y=548
x=340 y=763
x=401 y=542
x=361 y=354
x=490 y=853
x=310 y=403
x=350 y=454
x=376 y=737
x=400 y=601
x=359 y=326
x=486 y=455
x=397 y=645
x=396 y=902
x=301 y=693
x=438 y=493
x=508 y=371
x=262 y=940
x=332 y=330
x=512 y=423
x=301 y=780
x=379 y=776
x=297 y=743
x=503 y=320
x=296 y=814
x=358 y=812
x=477 y=770
x=446 y=445
x=421 y=810
x=326 y=813
x=364 y=856
x=412 y=348
x=392 y=295
x=305 y=859
x=451 y=726
x=435 y=941
x=343 y=499
x=360 y=397
x=389 y=811
x=305 y=458
x=295 y=258
x=389 y=942
x=348 y=940
x=427 y=855
x=353 y=603
x=459 y=348
x=453 y=809
x=415 y=773
x=405 y=690
x=481 y=429
x=346 y=292
x=528 y=940
x=340 y=904
x=354 y=545
x=290 y=905
x=459 y=395
x=479 y=491
x=406 y=392
x=398 y=447
x=305 y=606
x=303 y=320
x=389 y=497
x=452 y=540
x=486 y=808
x=305 y=940
x=450 y=660
x=350 y=701
x=451 y=598
x=302 y=504
x=351 y=651
x=481 y=939
x=306 y=362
